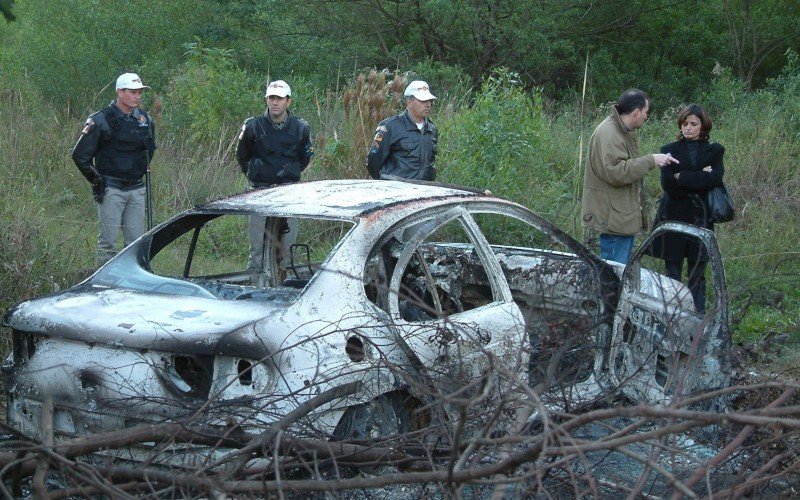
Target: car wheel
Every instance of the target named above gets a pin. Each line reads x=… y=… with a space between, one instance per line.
x=385 y=415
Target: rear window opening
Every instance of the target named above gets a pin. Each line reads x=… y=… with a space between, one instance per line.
x=244 y=256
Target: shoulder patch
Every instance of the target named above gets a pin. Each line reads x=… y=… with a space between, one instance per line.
x=87 y=126
x=376 y=142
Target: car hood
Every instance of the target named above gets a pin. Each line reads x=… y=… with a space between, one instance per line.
x=134 y=319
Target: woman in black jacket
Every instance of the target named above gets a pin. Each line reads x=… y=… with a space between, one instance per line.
x=686 y=185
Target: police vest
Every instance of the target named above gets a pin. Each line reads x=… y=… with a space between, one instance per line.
x=124 y=151
x=275 y=148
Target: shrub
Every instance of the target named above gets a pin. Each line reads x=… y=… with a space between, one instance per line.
x=498 y=143
x=209 y=93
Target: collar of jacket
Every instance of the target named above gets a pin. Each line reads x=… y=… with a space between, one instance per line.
x=280 y=125
x=410 y=125
x=618 y=120
x=134 y=112
x=687 y=142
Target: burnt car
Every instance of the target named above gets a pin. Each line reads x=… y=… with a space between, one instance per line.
x=413 y=290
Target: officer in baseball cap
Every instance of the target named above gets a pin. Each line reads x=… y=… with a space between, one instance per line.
x=405 y=145
x=274 y=148
x=113 y=152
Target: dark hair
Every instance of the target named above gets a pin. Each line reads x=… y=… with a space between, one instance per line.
x=698 y=111
x=631 y=100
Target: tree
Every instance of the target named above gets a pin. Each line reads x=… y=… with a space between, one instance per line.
x=73 y=50
x=760 y=32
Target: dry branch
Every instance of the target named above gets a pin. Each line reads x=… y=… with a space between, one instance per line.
x=552 y=455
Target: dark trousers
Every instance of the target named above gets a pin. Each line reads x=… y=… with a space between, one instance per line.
x=696 y=279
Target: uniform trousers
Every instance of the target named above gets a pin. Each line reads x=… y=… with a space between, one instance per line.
x=119 y=210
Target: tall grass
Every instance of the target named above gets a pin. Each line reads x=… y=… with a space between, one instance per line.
x=43 y=217
x=761 y=132
x=499 y=139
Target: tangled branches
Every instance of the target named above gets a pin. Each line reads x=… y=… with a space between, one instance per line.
x=634 y=450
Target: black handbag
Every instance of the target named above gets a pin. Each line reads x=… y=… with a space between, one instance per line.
x=720 y=205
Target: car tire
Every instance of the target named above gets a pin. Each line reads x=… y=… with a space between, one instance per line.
x=389 y=414
x=384 y=416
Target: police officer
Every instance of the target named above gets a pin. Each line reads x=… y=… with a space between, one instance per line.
x=113 y=153
x=405 y=145
x=273 y=148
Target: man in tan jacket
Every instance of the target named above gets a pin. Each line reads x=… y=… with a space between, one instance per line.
x=613 y=187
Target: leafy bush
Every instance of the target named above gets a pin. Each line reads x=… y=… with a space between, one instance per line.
x=497 y=143
x=445 y=81
x=71 y=51
x=209 y=93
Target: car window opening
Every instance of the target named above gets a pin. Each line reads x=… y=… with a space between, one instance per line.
x=244 y=257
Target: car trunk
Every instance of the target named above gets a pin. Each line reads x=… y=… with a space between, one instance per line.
x=136 y=320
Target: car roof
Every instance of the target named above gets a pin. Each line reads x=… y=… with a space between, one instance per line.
x=337 y=198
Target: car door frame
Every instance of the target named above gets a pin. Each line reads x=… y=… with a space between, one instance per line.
x=459 y=339
x=641 y=367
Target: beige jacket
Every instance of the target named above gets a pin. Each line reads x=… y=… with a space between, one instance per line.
x=613 y=190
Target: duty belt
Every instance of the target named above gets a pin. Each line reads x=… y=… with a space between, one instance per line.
x=123 y=184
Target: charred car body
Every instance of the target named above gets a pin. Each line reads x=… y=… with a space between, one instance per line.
x=412 y=289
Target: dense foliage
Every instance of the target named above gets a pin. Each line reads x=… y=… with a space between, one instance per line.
x=71 y=49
